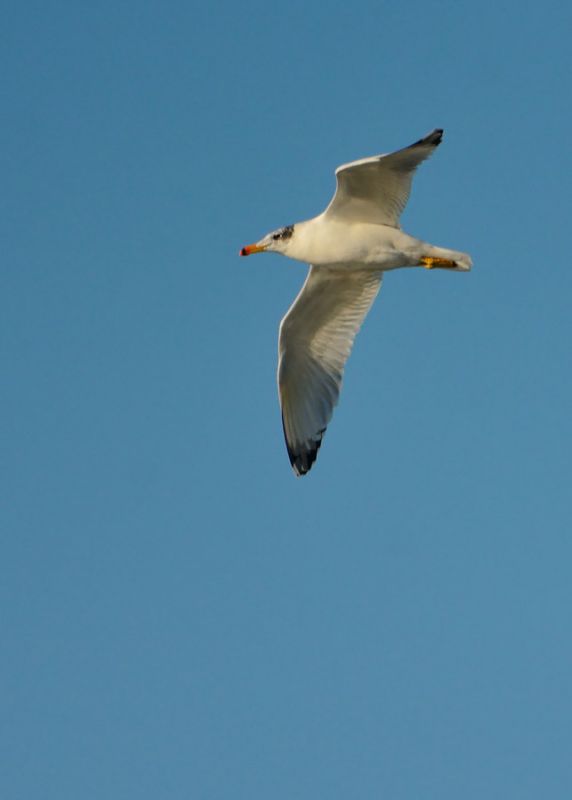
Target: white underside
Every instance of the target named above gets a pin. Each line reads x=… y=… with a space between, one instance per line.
x=324 y=241
x=349 y=247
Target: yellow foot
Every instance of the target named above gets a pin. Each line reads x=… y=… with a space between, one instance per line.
x=442 y=263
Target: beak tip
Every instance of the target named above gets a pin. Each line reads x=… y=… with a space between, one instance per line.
x=250 y=249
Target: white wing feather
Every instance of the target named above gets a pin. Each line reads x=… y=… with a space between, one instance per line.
x=376 y=190
x=316 y=338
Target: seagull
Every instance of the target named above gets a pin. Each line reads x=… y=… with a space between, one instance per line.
x=349 y=247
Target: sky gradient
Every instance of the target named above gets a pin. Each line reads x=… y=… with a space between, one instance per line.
x=181 y=616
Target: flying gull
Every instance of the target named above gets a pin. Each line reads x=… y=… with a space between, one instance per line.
x=349 y=247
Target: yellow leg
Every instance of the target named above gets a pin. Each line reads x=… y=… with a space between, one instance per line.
x=444 y=263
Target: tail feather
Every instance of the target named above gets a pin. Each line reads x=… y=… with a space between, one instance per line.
x=463 y=261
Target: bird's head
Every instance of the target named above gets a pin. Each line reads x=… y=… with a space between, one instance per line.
x=275 y=242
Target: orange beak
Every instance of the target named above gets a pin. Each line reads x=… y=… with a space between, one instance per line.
x=250 y=249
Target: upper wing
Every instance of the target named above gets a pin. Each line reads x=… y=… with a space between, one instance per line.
x=376 y=189
x=316 y=338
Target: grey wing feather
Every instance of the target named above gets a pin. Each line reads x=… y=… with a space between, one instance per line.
x=316 y=338
x=376 y=190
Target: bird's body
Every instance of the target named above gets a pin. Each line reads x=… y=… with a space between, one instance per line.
x=349 y=246
x=325 y=242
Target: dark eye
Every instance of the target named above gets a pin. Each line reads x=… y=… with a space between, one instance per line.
x=283 y=233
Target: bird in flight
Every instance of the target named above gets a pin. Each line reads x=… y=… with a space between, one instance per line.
x=349 y=247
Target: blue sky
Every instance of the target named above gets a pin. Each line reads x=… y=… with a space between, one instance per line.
x=181 y=617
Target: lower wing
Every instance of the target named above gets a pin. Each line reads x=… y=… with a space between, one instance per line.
x=316 y=338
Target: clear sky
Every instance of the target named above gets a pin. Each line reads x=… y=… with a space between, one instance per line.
x=182 y=617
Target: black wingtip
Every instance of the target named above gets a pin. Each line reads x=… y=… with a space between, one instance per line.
x=434 y=138
x=302 y=460
x=303 y=456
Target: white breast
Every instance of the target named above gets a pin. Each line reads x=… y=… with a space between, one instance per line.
x=324 y=241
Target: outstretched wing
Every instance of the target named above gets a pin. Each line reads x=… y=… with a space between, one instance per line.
x=316 y=338
x=376 y=189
